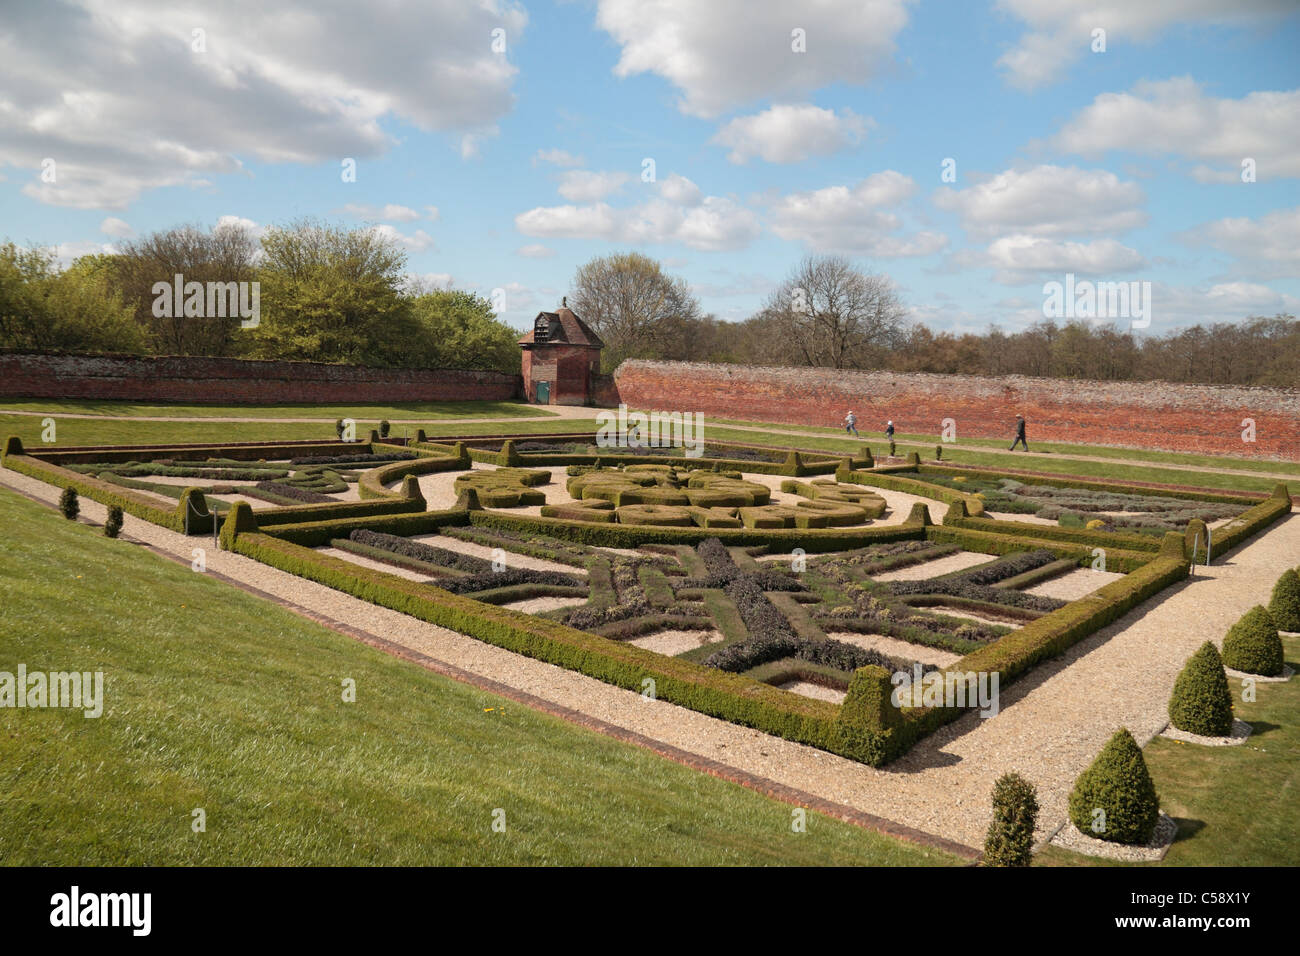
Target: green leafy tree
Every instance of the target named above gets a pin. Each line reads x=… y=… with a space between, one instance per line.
x=459 y=330
x=75 y=309
x=331 y=294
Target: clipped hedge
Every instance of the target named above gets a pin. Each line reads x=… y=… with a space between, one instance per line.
x=729 y=697
x=1201 y=702
x=632 y=536
x=1118 y=785
x=1251 y=521
x=190 y=515
x=1010 y=837
x=993 y=474
x=959 y=517
x=1253 y=644
x=1056 y=632
x=1284 y=604
x=896 y=481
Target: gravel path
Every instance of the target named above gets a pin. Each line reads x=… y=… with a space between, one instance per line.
x=1073 y=585
x=1050 y=725
x=929 y=569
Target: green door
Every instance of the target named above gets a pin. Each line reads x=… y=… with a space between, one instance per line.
x=543 y=393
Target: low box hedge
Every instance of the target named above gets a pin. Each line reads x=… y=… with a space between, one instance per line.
x=993 y=474
x=190 y=515
x=959 y=517
x=729 y=697
x=812 y=540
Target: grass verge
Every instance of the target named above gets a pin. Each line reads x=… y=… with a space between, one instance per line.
x=218 y=700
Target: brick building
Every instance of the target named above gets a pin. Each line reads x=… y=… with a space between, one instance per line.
x=561 y=359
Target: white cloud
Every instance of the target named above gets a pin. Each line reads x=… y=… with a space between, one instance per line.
x=1046 y=201
x=790 y=134
x=112 y=226
x=65 y=253
x=679 y=190
x=1020 y=258
x=418 y=241
x=1265 y=248
x=391 y=212
x=1176 y=117
x=557 y=157
x=297 y=82
x=257 y=230
x=535 y=251
x=853 y=218
x=1061 y=31
x=581 y=185
x=726 y=53
x=716 y=223
x=429 y=281
x=1177 y=306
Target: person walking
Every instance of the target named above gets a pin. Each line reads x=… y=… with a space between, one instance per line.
x=851 y=424
x=889 y=429
x=1020 y=434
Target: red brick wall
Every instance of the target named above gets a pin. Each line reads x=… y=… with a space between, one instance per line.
x=1156 y=415
x=220 y=381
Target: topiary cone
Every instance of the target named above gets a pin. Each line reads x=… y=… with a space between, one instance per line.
x=1285 y=603
x=1010 y=837
x=1253 y=645
x=1201 y=702
x=1114 y=799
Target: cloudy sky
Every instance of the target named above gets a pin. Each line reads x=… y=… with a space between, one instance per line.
x=503 y=144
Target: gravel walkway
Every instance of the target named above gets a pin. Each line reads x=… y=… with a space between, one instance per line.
x=1050 y=726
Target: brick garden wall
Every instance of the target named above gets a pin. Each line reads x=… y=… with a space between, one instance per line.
x=221 y=381
x=1156 y=415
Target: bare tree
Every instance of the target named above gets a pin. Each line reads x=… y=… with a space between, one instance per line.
x=227 y=253
x=634 y=306
x=834 y=315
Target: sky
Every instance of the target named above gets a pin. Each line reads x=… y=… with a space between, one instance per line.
x=971 y=151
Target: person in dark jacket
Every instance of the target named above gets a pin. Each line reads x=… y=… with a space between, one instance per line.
x=889 y=429
x=1020 y=434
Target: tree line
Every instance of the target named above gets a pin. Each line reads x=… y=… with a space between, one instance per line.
x=332 y=294
x=326 y=294
x=830 y=313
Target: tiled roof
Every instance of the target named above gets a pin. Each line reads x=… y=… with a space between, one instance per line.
x=565 y=328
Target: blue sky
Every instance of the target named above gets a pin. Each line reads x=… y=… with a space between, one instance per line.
x=1115 y=165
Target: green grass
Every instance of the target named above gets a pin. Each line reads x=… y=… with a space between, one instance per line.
x=218 y=700
x=423 y=411
x=959 y=455
x=103 y=431
x=1235 y=806
x=922 y=439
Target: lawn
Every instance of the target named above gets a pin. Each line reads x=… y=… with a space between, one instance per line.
x=1143 y=466
x=218 y=700
x=1052 y=448
x=1235 y=806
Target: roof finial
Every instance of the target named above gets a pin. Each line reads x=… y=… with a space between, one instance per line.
x=564 y=302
